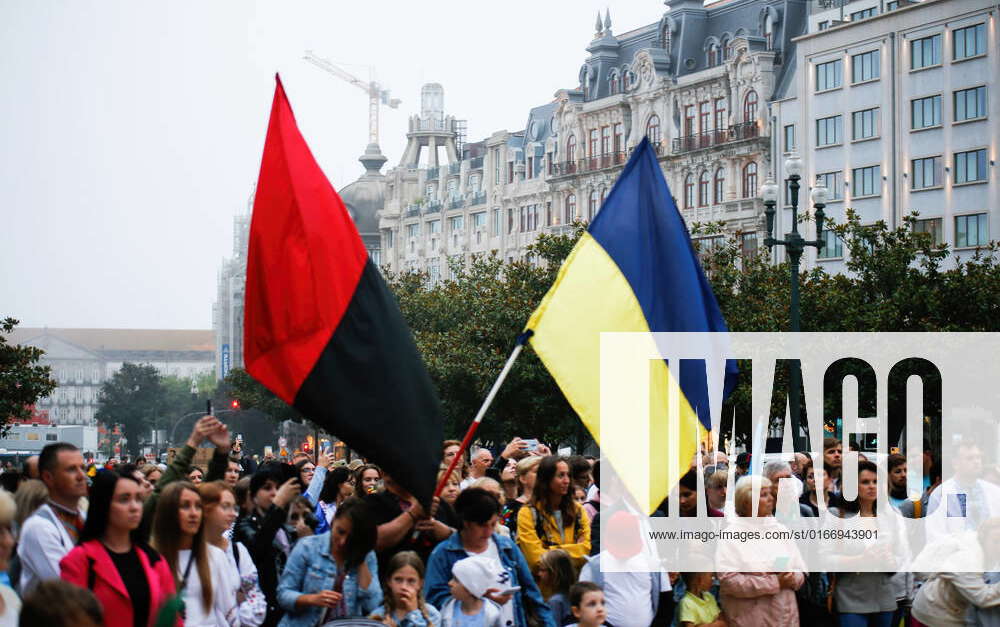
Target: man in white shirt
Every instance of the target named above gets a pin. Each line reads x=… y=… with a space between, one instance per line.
x=964 y=501
x=481 y=462
x=53 y=530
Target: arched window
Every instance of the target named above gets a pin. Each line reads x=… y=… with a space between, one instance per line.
x=720 y=185
x=689 y=191
x=750 y=106
x=703 y=186
x=570 y=212
x=769 y=32
x=592 y=204
x=571 y=148
x=604 y=195
x=614 y=83
x=626 y=78
x=653 y=129
x=713 y=55
x=750 y=180
x=726 y=49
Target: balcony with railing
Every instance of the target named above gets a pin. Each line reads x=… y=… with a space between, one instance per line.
x=478 y=199
x=476 y=163
x=454 y=169
x=590 y=164
x=456 y=203
x=432 y=207
x=412 y=211
x=738 y=132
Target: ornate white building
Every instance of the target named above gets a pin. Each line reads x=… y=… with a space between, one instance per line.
x=696 y=83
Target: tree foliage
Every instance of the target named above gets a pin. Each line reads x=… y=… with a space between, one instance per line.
x=134 y=397
x=252 y=395
x=22 y=380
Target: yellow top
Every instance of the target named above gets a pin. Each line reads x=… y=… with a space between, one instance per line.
x=571 y=538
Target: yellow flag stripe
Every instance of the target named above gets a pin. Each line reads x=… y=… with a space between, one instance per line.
x=591 y=296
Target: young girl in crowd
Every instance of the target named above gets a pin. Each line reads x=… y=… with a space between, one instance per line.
x=196 y=475
x=366 y=480
x=337 y=487
x=219 y=505
x=199 y=568
x=699 y=608
x=130 y=580
x=555 y=572
x=587 y=602
x=403 y=593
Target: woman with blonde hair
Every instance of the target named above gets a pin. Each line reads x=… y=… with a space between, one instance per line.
x=198 y=567
x=751 y=592
x=527 y=471
x=10 y=604
x=219 y=503
x=29 y=496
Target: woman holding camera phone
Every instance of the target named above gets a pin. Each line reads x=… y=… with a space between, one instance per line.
x=219 y=504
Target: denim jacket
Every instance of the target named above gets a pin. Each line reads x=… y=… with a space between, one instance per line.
x=415 y=618
x=450 y=551
x=310 y=569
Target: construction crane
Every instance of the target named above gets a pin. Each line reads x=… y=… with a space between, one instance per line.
x=376 y=94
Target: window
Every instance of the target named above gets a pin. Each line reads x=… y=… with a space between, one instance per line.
x=825 y=24
x=653 y=129
x=864 y=124
x=926 y=172
x=860 y=15
x=479 y=220
x=829 y=75
x=592 y=204
x=720 y=114
x=713 y=55
x=720 y=184
x=548 y=163
x=828 y=131
x=931 y=226
x=604 y=195
x=510 y=219
x=789 y=137
x=497 y=222
x=788 y=192
x=750 y=106
x=496 y=166
x=925 y=112
x=689 y=191
x=865 y=66
x=605 y=140
x=866 y=181
x=594 y=143
x=925 y=52
x=619 y=135
x=529 y=170
x=704 y=117
x=510 y=171
x=571 y=148
x=892 y=6
x=970 y=166
x=434 y=269
x=412 y=230
x=456 y=224
x=434 y=227
x=689 y=120
x=970 y=104
x=750 y=180
x=971 y=230
x=704 y=182
x=834 y=182
x=614 y=83
x=833 y=246
x=748 y=245
x=726 y=50
x=390 y=238
x=570 y=208
x=969 y=41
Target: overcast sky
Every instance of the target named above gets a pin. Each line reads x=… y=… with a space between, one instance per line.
x=131 y=131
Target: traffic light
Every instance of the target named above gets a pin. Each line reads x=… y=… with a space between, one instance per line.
x=235 y=404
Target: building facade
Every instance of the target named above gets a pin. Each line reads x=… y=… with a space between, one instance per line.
x=83 y=359
x=894 y=109
x=696 y=83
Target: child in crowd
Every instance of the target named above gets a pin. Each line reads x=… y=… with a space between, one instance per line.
x=555 y=572
x=471 y=578
x=699 y=608
x=587 y=602
x=403 y=592
x=451 y=489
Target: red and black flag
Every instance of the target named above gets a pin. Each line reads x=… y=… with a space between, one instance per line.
x=321 y=328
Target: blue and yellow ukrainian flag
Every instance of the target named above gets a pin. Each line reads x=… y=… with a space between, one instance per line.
x=633 y=270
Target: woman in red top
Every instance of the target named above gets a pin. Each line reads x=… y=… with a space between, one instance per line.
x=129 y=578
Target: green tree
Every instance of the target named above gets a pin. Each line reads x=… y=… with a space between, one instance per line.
x=465 y=328
x=22 y=380
x=133 y=398
x=250 y=394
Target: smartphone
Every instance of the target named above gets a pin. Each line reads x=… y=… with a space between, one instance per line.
x=208 y=407
x=532 y=443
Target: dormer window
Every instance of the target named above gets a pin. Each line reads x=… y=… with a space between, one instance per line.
x=769 y=33
x=713 y=55
x=614 y=83
x=626 y=78
x=727 y=51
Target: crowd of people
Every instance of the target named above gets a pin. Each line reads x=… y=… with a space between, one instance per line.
x=513 y=541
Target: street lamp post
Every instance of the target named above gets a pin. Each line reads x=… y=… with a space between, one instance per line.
x=794 y=245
